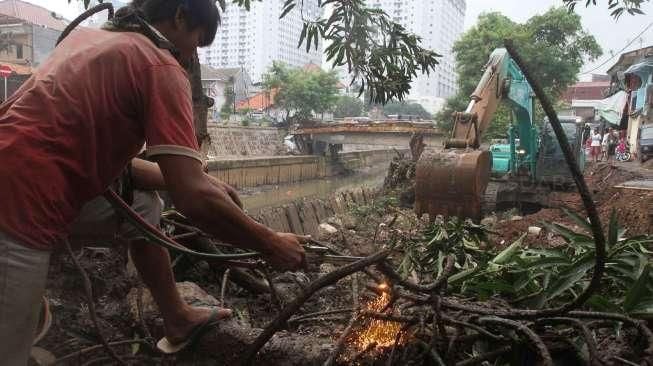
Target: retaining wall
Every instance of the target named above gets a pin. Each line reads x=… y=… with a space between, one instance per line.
x=305 y=215
x=232 y=141
x=252 y=172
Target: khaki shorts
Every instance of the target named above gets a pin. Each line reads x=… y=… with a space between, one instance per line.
x=23 y=271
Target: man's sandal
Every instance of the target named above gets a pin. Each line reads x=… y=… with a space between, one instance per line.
x=167 y=347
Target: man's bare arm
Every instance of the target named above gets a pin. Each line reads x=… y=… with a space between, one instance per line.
x=213 y=210
x=147 y=176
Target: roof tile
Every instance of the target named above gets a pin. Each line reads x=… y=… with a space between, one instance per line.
x=31 y=13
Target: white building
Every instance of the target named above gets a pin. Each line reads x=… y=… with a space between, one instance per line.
x=439 y=23
x=254 y=39
x=97 y=20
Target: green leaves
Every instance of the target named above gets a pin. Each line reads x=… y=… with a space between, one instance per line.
x=639 y=291
x=554 y=42
x=507 y=254
x=616 y=7
x=380 y=54
x=535 y=277
x=287 y=7
x=302 y=93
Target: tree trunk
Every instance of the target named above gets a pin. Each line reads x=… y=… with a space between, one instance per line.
x=200 y=106
x=228 y=342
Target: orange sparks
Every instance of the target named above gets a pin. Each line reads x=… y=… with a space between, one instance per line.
x=381 y=332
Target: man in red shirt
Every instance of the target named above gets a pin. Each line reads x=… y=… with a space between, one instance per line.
x=69 y=132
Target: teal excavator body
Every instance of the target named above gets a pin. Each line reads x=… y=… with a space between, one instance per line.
x=520 y=154
x=456 y=181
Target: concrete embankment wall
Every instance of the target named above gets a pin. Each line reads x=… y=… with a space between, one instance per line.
x=232 y=141
x=252 y=172
x=304 y=216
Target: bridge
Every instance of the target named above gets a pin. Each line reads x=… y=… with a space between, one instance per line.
x=351 y=135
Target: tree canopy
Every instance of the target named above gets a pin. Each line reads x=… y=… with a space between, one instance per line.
x=347 y=106
x=406 y=109
x=554 y=43
x=616 y=7
x=301 y=92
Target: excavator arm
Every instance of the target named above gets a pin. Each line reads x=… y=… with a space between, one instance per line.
x=502 y=80
x=452 y=182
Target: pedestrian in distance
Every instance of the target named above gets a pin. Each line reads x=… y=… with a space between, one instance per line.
x=596 y=144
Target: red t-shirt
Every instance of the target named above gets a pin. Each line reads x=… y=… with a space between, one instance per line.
x=70 y=130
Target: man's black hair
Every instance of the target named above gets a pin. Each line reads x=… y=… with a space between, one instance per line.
x=198 y=13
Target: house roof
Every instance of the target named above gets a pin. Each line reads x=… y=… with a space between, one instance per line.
x=17 y=68
x=591 y=84
x=312 y=67
x=31 y=13
x=629 y=58
x=210 y=73
x=259 y=102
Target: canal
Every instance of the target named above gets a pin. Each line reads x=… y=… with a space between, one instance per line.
x=257 y=198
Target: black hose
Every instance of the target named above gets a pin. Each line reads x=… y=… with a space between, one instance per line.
x=583 y=190
x=155 y=236
x=83 y=16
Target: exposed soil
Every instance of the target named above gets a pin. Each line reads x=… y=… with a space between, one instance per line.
x=358 y=234
x=634 y=208
x=73 y=330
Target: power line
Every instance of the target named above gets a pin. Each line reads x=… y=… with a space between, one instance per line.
x=619 y=52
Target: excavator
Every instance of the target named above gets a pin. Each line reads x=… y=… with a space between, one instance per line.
x=467 y=181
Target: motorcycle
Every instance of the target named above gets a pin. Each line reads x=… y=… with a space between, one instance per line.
x=622 y=152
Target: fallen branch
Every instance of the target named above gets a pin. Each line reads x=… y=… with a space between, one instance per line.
x=533 y=338
x=223 y=287
x=141 y=319
x=273 y=290
x=319 y=314
x=432 y=353
x=489 y=356
x=88 y=287
x=584 y=332
x=441 y=281
x=341 y=340
x=312 y=288
x=400 y=334
x=359 y=355
x=96 y=347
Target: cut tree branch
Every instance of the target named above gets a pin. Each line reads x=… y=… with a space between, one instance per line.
x=312 y=288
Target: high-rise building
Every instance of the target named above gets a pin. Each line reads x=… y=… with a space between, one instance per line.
x=97 y=20
x=439 y=23
x=254 y=39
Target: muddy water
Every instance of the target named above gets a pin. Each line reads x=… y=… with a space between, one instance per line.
x=255 y=199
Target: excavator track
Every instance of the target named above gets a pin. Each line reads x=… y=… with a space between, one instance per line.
x=489 y=201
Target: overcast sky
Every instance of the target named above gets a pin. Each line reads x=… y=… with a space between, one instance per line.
x=612 y=35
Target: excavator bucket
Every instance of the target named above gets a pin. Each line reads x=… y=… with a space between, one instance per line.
x=452 y=182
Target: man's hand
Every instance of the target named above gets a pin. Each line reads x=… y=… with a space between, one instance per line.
x=286 y=252
x=229 y=190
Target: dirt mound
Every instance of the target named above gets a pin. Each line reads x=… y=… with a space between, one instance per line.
x=633 y=207
x=648 y=165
